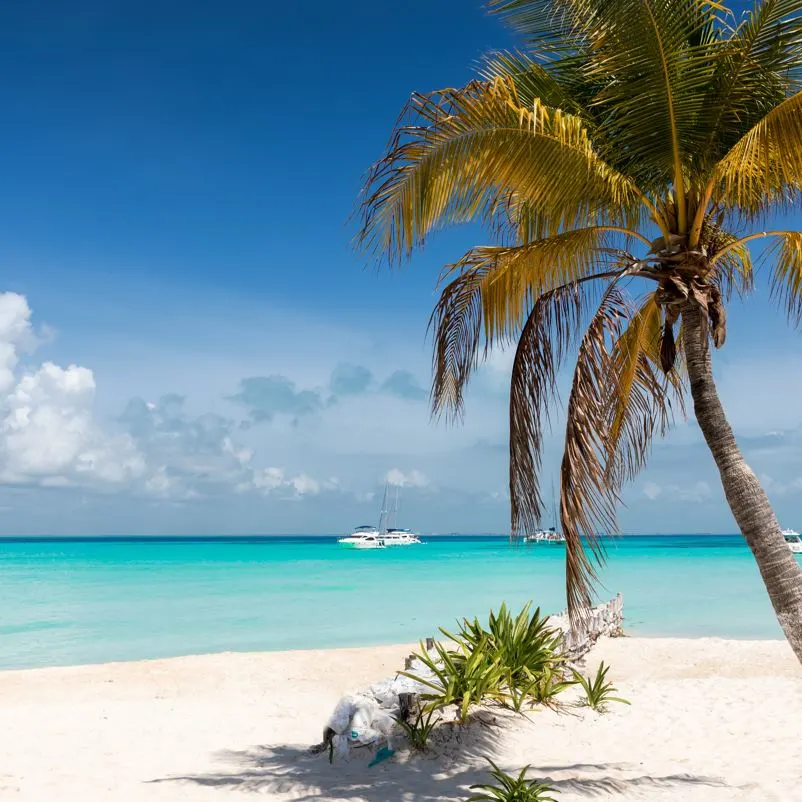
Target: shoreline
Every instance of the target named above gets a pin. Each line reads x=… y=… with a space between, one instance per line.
x=405 y=649
x=711 y=720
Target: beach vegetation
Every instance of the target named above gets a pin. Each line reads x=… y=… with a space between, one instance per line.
x=461 y=676
x=511 y=788
x=513 y=660
x=598 y=691
x=419 y=729
x=623 y=161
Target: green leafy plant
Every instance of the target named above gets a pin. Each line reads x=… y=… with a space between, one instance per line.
x=523 y=644
x=419 y=729
x=513 y=660
x=598 y=690
x=549 y=684
x=508 y=788
x=462 y=677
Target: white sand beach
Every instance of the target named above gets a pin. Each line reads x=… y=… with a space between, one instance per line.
x=710 y=720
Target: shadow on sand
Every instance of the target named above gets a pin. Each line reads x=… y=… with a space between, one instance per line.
x=295 y=772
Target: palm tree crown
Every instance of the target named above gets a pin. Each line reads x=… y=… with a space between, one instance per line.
x=620 y=163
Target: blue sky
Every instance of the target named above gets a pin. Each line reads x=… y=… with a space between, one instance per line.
x=191 y=345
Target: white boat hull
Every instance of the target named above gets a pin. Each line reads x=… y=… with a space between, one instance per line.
x=796 y=548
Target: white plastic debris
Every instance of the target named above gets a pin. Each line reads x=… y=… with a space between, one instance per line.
x=367 y=717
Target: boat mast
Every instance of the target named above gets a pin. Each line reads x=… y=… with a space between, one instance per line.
x=383 y=513
x=553 y=506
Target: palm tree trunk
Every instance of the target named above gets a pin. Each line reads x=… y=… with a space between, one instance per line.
x=781 y=572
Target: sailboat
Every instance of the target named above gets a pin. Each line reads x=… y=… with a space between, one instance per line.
x=381 y=536
x=548 y=536
x=391 y=535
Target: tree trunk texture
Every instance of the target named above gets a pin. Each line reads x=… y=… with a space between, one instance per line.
x=750 y=506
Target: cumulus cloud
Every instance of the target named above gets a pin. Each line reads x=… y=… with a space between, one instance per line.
x=399 y=478
x=350 y=379
x=274 y=481
x=49 y=437
x=696 y=493
x=402 y=384
x=267 y=396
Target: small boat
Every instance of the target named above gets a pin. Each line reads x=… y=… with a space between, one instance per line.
x=550 y=536
x=363 y=537
x=399 y=537
x=793 y=540
x=394 y=535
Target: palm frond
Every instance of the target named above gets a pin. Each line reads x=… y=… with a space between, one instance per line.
x=552 y=325
x=587 y=500
x=757 y=67
x=469 y=151
x=533 y=82
x=551 y=28
x=492 y=289
x=642 y=401
x=457 y=324
x=521 y=273
x=786 y=282
x=653 y=58
x=765 y=166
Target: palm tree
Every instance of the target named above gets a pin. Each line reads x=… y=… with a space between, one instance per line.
x=620 y=164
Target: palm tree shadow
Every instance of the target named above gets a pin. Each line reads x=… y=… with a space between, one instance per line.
x=459 y=762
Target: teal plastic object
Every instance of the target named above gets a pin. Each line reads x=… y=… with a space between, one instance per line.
x=383 y=753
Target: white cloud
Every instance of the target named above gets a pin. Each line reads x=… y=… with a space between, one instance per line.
x=413 y=478
x=697 y=493
x=305 y=485
x=652 y=491
x=274 y=481
x=48 y=436
x=267 y=479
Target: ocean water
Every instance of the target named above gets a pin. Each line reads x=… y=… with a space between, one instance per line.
x=68 y=602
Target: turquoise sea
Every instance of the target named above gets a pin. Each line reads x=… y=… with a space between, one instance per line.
x=74 y=601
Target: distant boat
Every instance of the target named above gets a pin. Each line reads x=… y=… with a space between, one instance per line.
x=793 y=540
x=363 y=537
x=381 y=536
x=399 y=537
x=392 y=535
x=548 y=536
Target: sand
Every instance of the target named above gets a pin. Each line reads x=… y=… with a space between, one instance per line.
x=710 y=720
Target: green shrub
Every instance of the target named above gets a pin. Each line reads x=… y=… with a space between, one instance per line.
x=514 y=660
x=419 y=729
x=598 y=690
x=550 y=683
x=462 y=677
x=522 y=645
x=507 y=788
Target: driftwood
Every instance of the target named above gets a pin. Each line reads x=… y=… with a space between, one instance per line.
x=606 y=619
x=408 y=705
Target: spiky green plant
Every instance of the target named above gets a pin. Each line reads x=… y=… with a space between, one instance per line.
x=419 y=729
x=523 y=645
x=463 y=676
x=514 y=660
x=509 y=788
x=549 y=684
x=598 y=690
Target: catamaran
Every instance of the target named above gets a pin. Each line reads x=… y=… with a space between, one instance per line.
x=372 y=537
x=392 y=535
x=793 y=540
x=550 y=536
x=400 y=537
x=363 y=537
